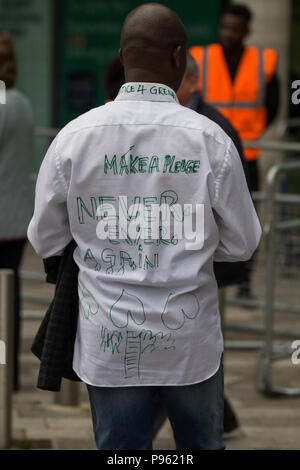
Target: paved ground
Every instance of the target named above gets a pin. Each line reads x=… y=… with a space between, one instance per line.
x=266 y=423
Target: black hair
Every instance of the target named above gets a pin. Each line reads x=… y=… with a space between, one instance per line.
x=191 y=65
x=114 y=78
x=239 y=10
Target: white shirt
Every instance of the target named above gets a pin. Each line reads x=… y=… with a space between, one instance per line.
x=148 y=309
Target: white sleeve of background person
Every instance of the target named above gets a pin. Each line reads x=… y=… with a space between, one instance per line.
x=49 y=231
x=239 y=227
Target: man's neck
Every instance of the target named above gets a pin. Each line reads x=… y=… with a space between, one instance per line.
x=149 y=77
x=233 y=60
x=234 y=54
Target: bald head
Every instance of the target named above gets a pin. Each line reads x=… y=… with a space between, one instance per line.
x=152 y=25
x=153 y=45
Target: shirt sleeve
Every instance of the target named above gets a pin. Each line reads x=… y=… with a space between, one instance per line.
x=235 y=215
x=49 y=229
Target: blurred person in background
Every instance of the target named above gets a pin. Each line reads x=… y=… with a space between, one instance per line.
x=16 y=151
x=241 y=82
x=114 y=78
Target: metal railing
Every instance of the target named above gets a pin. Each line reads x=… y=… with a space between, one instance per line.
x=271 y=350
x=279 y=229
x=7 y=355
x=46 y=132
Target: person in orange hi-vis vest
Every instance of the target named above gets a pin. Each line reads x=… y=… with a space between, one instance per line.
x=241 y=82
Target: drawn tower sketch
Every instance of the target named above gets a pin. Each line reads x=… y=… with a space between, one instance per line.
x=130 y=336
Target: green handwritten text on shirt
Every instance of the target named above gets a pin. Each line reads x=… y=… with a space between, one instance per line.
x=129 y=163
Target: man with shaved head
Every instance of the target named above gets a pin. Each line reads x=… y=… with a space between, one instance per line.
x=152 y=193
x=153 y=45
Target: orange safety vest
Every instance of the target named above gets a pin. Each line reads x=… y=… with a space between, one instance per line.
x=241 y=101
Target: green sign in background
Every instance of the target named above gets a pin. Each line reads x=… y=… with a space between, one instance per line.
x=88 y=36
x=64 y=47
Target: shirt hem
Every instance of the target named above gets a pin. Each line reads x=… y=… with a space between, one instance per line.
x=153 y=384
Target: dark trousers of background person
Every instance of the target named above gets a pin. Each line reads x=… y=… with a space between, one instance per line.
x=253 y=172
x=253 y=175
x=10 y=258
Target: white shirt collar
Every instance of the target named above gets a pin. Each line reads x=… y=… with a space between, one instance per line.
x=146 y=91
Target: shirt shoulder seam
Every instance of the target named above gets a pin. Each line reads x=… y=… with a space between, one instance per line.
x=199 y=129
x=59 y=170
x=221 y=174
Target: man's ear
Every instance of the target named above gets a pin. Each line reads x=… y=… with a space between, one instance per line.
x=120 y=54
x=178 y=57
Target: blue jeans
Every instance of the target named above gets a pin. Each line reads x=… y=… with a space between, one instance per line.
x=123 y=416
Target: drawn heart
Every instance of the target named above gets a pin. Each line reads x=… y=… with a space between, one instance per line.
x=135 y=314
x=174 y=315
x=88 y=301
